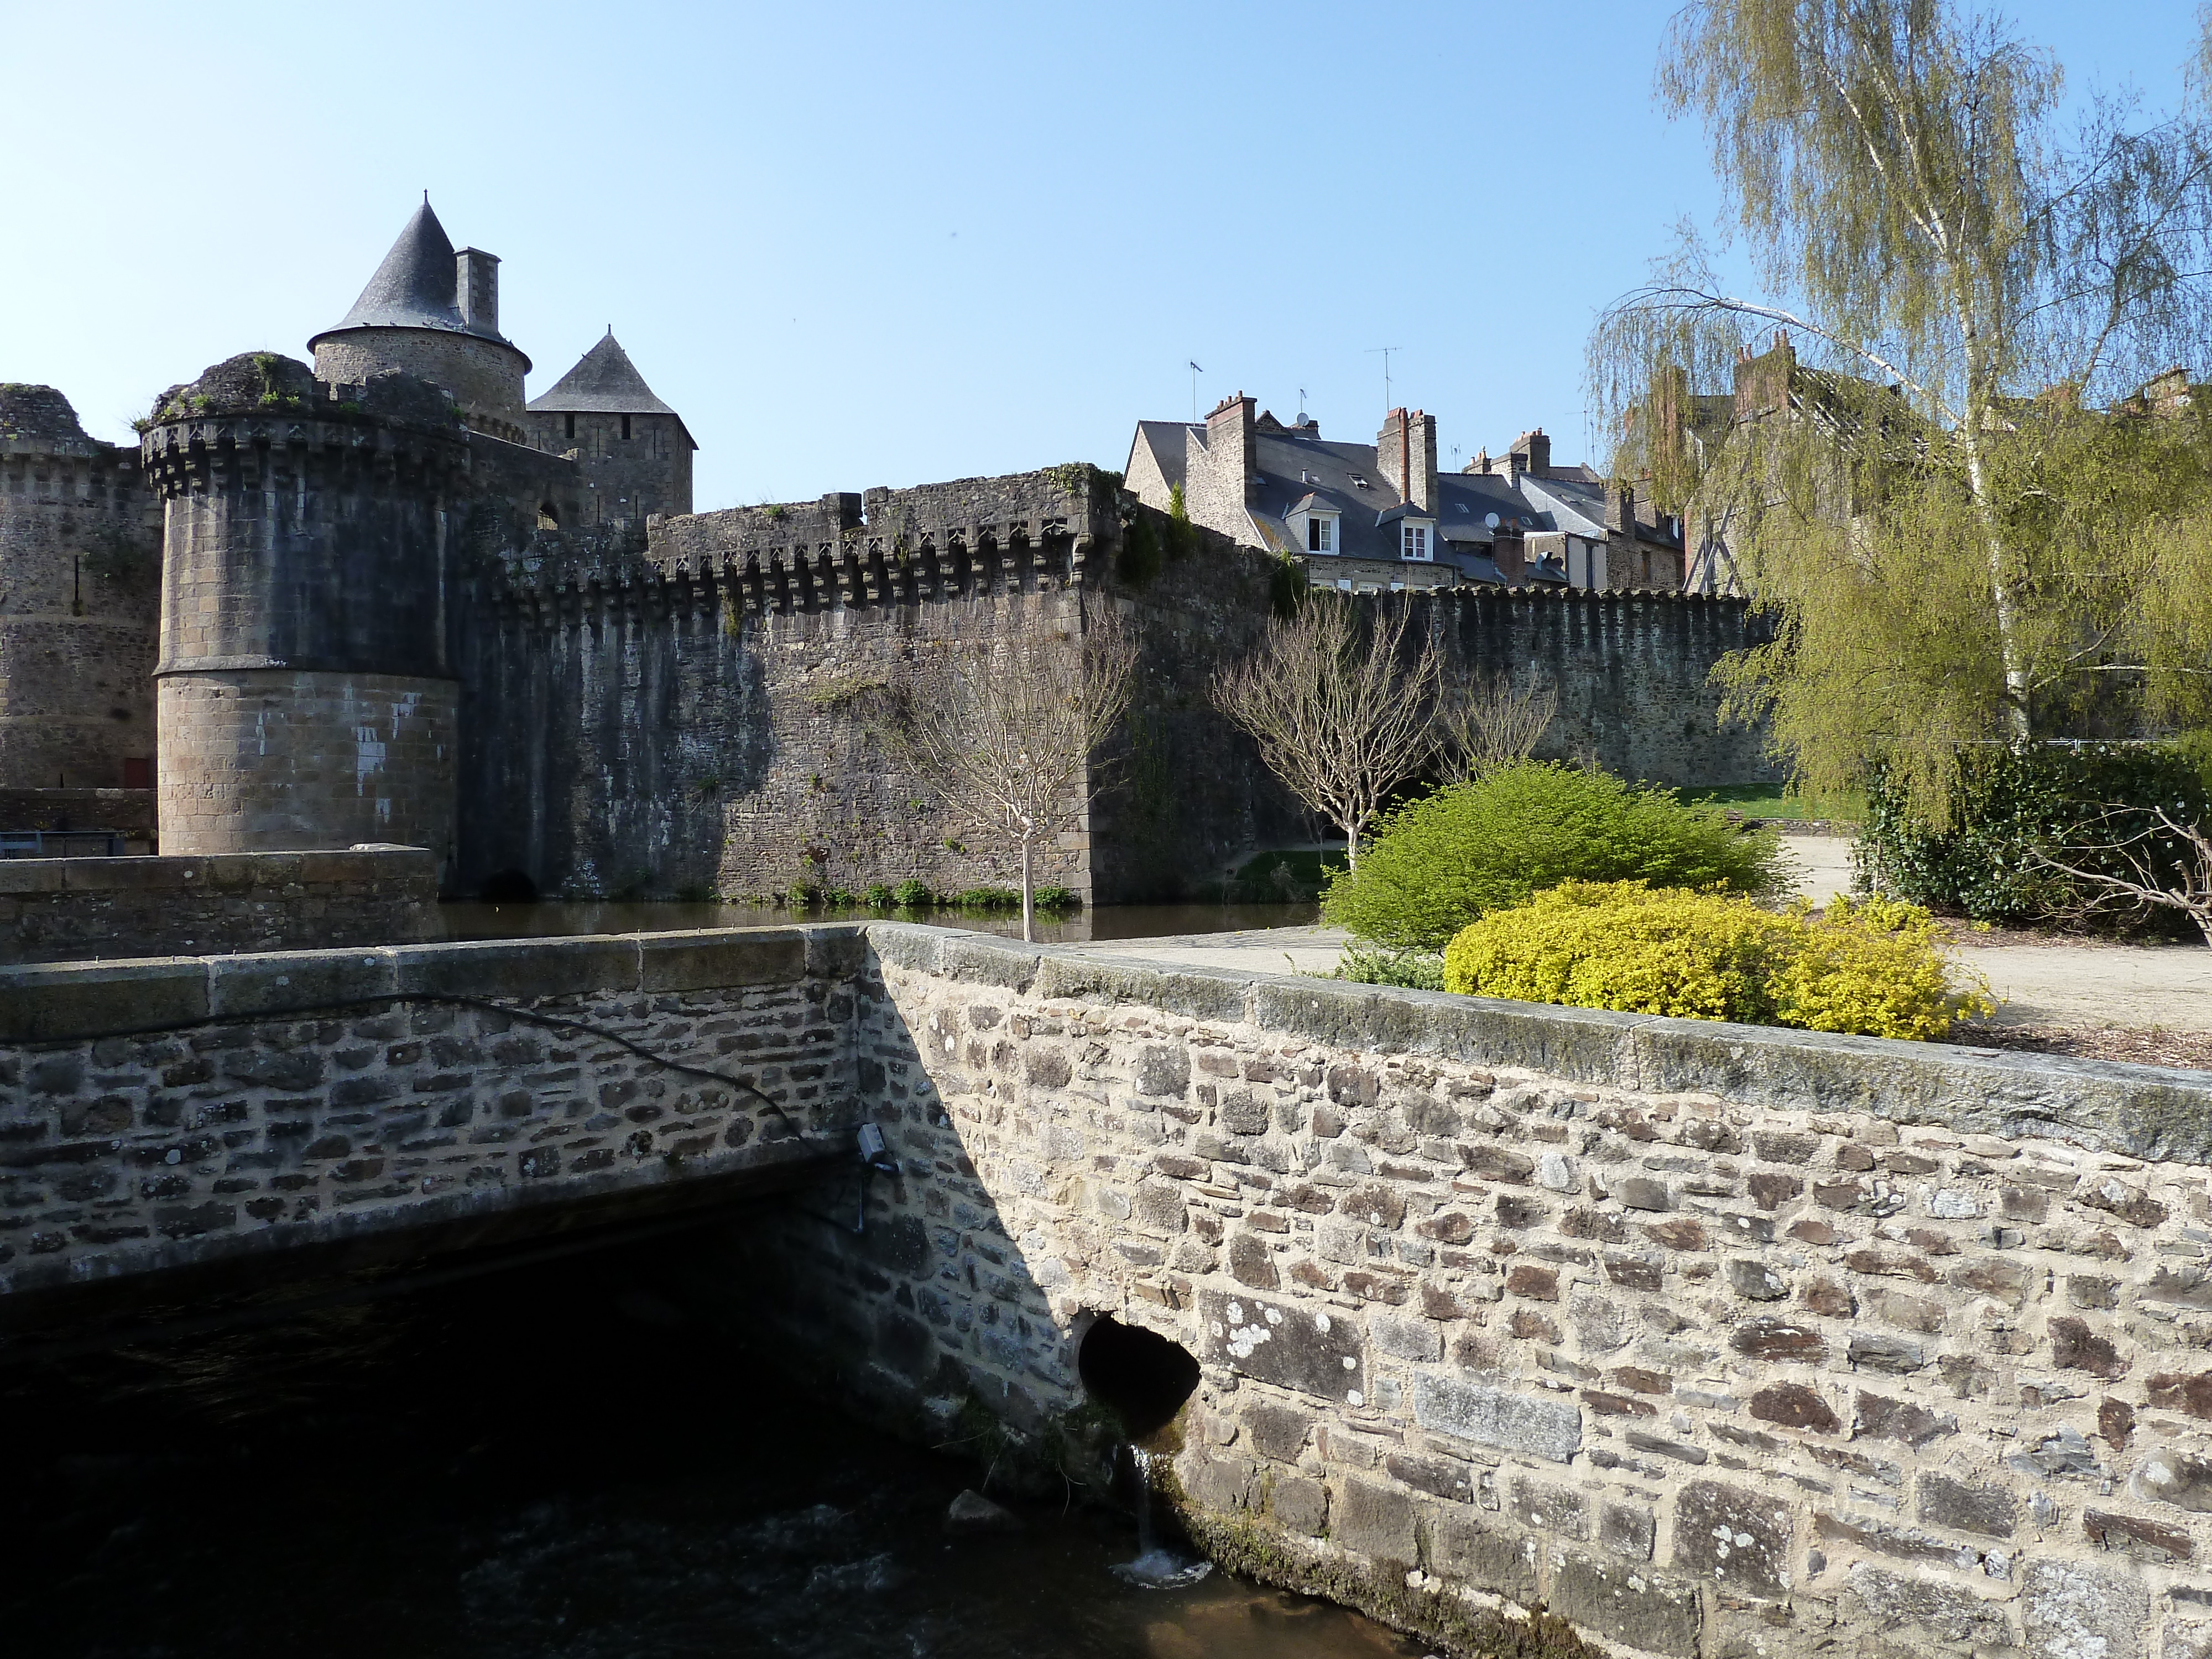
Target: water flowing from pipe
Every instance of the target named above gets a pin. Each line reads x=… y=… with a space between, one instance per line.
x=1155 y=1567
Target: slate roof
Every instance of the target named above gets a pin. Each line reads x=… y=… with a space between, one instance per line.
x=605 y=382
x=417 y=286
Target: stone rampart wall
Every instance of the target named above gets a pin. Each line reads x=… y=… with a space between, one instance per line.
x=1711 y=1339
x=76 y=909
x=80 y=591
x=191 y=1111
x=705 y=715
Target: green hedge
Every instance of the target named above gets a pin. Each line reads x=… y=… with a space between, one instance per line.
x=2072 y=801
x=1452 y=857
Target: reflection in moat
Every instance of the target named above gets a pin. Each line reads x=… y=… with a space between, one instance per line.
x=551 y=919
x=560 y=1459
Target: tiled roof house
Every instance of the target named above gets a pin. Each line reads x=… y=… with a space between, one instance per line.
x=1369 y=517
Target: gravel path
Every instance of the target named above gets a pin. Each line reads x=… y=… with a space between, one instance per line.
x=2076 y=986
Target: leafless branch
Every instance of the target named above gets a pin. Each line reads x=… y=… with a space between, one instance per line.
x=1339 y=716
x=1007 y=728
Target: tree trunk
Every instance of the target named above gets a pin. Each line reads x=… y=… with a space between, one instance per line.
x=1351 y=847
x=2017 y=725
x=1029 y=899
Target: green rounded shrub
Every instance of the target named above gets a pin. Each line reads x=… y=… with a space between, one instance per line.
x=1447 y=860
x=1872 y=968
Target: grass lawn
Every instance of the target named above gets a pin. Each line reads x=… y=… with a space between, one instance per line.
x=1767 y=801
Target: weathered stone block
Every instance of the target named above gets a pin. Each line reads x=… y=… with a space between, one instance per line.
x=1738 y=1538
x=1795 y=1405
x=1966 y=1507
x=1462 y=1548
x=1636 y=1608
x=1488 y=1416
x=1375 y=1521
x=1558 y=1509
x=2072 y=1611
x=1280 y=1342
x=1301 y=1505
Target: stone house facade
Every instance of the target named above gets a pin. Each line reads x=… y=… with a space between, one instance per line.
x=1381 y=517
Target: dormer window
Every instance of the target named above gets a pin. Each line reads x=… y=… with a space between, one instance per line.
x=1321 y=534
x=1413 y=541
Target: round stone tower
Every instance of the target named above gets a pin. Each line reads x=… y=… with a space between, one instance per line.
x=306 y=696
x=433 y=313
x=80 y=586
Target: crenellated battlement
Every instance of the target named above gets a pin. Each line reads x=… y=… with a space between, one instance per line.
x=182 y=455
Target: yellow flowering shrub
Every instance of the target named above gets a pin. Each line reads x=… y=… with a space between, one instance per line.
x=1871 y=968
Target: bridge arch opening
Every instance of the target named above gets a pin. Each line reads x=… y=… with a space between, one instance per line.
x=1141 y=1377
x=509 y=887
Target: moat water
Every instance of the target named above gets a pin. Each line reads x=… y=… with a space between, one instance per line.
x=554 y=919
x=553 y=1461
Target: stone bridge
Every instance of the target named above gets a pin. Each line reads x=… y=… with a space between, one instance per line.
x=1514 y=1324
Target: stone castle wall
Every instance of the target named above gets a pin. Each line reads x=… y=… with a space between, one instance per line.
x=1709 y=1340
x=80 y=589
x=78 y=909
x=707 y=714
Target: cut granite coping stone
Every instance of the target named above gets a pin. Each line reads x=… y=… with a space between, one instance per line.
x=2143 y=1111
x=71 y=1001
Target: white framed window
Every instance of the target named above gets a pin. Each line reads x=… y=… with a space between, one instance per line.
x=1321 y=534
x=1413 y=541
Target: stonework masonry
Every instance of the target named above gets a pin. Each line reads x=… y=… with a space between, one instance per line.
x=80 y=587
x=1709 y=1340
x=259 y=760
x=703 y=713
x=76 y=909
x=176 y=1113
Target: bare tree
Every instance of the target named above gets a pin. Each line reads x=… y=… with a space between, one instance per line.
x=2180 y=882
x=1492 y=722
x=1339 y=716
x=1006 y=729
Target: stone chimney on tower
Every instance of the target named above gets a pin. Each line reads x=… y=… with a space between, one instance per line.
x=476 y=282
x=1406 y=454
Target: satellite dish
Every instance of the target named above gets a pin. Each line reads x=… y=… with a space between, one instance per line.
x=1490 y=520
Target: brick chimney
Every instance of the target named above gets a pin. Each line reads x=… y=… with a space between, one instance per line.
x=1406 y=454
x=1229 y=441
x=477 y=289
x=1532 y=452
x=1621 y=508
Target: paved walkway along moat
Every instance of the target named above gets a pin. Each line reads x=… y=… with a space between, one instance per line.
x=1709 y=1338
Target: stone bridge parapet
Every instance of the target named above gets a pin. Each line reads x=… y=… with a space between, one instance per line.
x=194 y=1110
x=1709 y=1340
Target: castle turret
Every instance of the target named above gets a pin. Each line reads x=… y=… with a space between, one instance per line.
x=635 y=450
x=80 y=586
x=433 y=313
x=306 y=698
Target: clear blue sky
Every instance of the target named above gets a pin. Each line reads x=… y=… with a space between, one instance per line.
x=882 y=243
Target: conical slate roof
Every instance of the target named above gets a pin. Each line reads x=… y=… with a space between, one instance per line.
x=417 y=286
x=603 y=382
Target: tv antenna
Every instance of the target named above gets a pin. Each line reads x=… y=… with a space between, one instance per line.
x=1195 y=371
x=1385 y=351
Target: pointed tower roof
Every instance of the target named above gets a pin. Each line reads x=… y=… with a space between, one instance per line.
x=603 y=382
x=417 y=286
